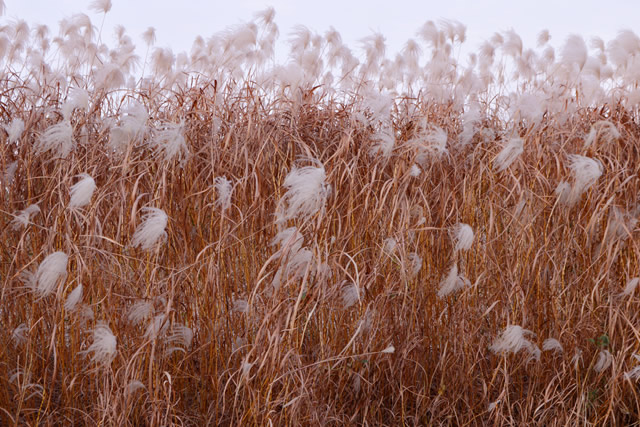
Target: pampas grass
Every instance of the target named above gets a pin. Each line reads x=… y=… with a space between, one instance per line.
x=328 y=215
x=82 y=191
x=306 y=193
x=51 y=272
x=152 y=229
x=104 y=346
x=58 y=139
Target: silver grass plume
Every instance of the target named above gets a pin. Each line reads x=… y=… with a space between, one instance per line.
x=509 y=153
x=586 y=172
x=633 y=374
x=552 y=344
x=452 y=282
x=169 y=143
x=51 y=272
x=152 y=230
x=513 y=339
x=139 y=311
x=306 y=193
x=462 y=235
x=14 y=130
x=58 y=139
x=605 y=359
x=23 y=217
x=82 y=191
x=73 y=299
x=179 y=339
x=104 y=346
x=224 y=190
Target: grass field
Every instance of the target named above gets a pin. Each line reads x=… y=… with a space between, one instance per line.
x=342 y=238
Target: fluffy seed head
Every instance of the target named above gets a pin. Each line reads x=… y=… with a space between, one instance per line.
x=169 y=143
x=22 y=218
x=631 y=286
x=512 y=340
x=633 y=374
x=82 y=191
x=462 y=236
x=152 y=230
x=101 y=6
x=509 y=153
x=349 y=295
x=605 y=359
x=74 y=297
x=58 y=139
x=552 y=344
x=586 y=172
x=306 y=193
x=14 y=130
x=139 y=311
x=51 y=272
x=224 y=190
x=180 y=339
x=18 y=336
x=104 y=345
x=452 y=282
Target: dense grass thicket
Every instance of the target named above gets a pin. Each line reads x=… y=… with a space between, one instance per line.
x=342 y=238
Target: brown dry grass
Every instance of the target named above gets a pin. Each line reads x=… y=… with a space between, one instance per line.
x=547 y=268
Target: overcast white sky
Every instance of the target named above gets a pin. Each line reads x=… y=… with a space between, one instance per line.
x=178 y=22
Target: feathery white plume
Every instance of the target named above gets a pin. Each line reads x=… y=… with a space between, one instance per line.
x=512 y=340
x=57 y=138
x=431 y=141
x=9 y=173
x=104 y=345
x=74 y=297
x=134 y=386
x=157 y=327
x=78 y=98
x=101 y=6
x=51 y=271
x=452 y=282
x=132 y=126
x=22 y=218
x=384 y=141
x=633 y=374
x=169 y=143
x=414 y=264
x=82 y=191
x=602 y=129
x=14 y=130
x=586 y=172
x=389 y=350
x=389 y=246
x=306 y=193
x=509 y=153
x=631 y=286
x=18 y=336
x=149 y=36
x=574 y=51
x=294 y=258
x=152 y=230
x=462 y=235
x=180 y=339
x=552 y=344
x=139 y=311
x=605 y=359
x=224 y=190
x=349 y=295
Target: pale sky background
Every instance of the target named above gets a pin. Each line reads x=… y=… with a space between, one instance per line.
x=178 y=22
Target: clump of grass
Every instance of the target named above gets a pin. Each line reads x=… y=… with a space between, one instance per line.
x=217 y=238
